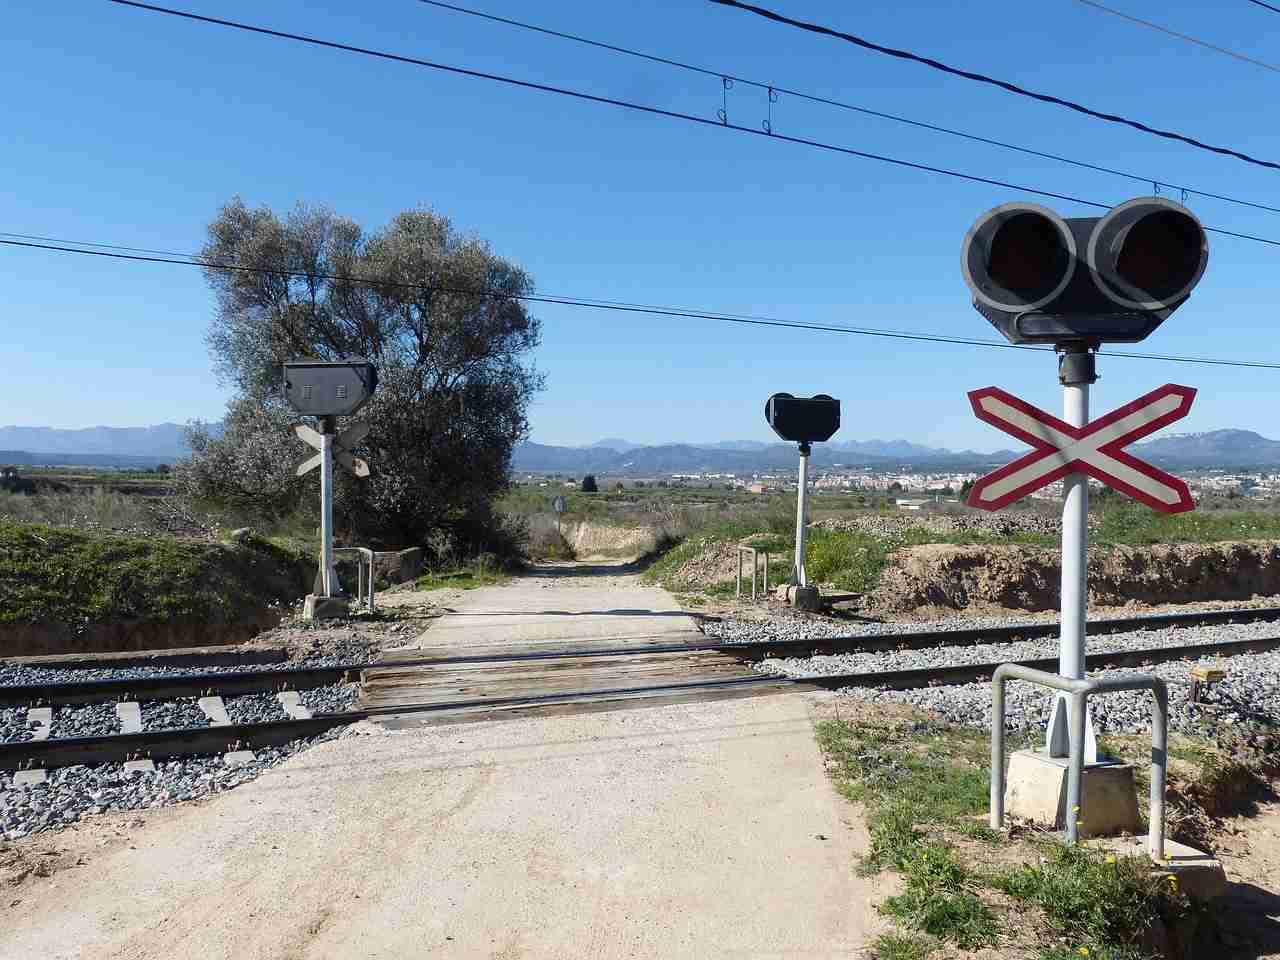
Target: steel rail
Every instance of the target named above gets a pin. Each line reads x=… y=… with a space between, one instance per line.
x=305 y=678
x=161 y=744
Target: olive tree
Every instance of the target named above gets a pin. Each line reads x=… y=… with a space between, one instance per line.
x=437 y=312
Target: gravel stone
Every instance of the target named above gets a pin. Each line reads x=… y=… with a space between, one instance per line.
x=93 y=720
x=337 y=698
x=1250 y=692
x=826 y=665
x=172 y=715
x=13 y=725
x=254 y=708
x=74 y=792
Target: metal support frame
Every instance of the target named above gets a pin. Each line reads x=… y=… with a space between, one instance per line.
x=755 y=564
x=364 y=573
x=1079 y=692
x=798 y=573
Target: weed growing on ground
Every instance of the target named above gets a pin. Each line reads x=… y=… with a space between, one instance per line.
x=898 y=946
x=461 y=578
x=939 y=899
x=922 y=785
x=1108 y=903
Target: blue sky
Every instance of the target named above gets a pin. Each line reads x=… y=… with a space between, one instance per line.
x=127 y=127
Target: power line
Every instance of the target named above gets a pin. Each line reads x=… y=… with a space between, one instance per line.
x=644 y=108
x=1265 y=6
x=111 y=251
x=776 y=89
x=983 y=78
x=1181 y=36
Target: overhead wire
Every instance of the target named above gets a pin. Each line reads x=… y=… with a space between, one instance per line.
x=645 y=108
x=1181 y=36
x=1265 y=6
x=146 y=255
x=840 y=104
x=983 y=78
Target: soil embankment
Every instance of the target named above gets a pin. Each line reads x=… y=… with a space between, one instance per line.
x=607 y=540
x=64 y=591
x=1024 y=578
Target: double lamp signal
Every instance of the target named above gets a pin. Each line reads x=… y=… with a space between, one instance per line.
x=1040 y=278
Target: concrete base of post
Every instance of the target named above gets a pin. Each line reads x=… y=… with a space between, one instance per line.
x=806 y=599
x=1036 y=790
x=325 y=608
x=1199 y=874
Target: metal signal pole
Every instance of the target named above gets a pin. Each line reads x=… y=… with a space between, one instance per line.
x=327 y=427
x=800 y=576
x=1076 y=371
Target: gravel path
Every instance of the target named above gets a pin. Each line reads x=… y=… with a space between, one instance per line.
x=72 y=792
x=825 y=665
x=1251 y=691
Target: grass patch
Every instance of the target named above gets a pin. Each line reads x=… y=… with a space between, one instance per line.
x=53 y=575
x=1110 y=905
x=461 y=578
x=1131 y=524
x=939 y=900
x=923 y=784
x=897 y=946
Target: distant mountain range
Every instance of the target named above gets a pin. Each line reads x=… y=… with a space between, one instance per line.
x=1217 y=448
x=164 y=443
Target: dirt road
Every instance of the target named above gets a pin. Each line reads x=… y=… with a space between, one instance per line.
x=687 y=830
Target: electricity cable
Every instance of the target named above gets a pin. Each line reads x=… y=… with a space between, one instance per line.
x=1181 y=36
x=644 y=108
x=777 y=89
x=983 y=78
x=1265 y=6
x=114 y=252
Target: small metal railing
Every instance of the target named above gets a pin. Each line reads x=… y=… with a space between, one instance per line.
x=364 y=573
x=755 y=565
x=1080 y=691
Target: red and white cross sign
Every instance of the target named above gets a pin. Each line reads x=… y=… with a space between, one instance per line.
x=1094 y=449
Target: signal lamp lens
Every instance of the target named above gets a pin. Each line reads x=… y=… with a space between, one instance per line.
x=1027 y=256
x=1161 y=254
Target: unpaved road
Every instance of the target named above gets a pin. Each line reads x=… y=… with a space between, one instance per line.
x=687 y=830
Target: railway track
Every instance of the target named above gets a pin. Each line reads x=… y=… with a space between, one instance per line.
x=492 y=684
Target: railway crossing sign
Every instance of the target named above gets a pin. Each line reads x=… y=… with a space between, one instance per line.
x=342 y=444
x=1095 y=449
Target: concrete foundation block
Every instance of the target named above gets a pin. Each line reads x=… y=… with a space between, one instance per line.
x=1036 y=790
x=215 y=710
x=28 y=778
x=325 y=608
x=130 y=716
x=1199 y=874
x=139 y=766
x=238 y=758
x=291 y=703
x=40 y=722
x=806 y=599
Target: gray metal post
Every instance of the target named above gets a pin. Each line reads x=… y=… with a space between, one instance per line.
x=326 y=505
x=799 y=573
x=997 y=751
x=1159 y=764
x=1076 y=372
x=737 y=592
x=766 y=575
